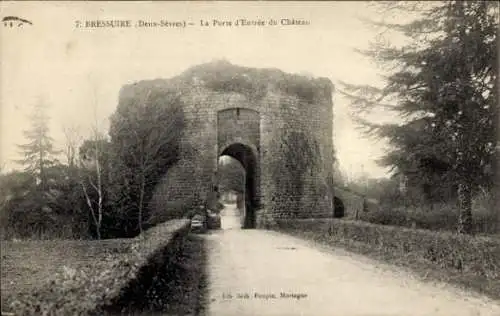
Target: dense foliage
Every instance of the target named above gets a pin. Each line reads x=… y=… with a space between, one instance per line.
x=443 y=85
x=44 y=200
x=107 y=193
x=231 y=176
x=145 y=133
x=253 y=83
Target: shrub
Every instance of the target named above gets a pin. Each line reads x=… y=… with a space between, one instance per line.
x=394 y=217
x=438 y=216
x=26 y=212
x=173 y=210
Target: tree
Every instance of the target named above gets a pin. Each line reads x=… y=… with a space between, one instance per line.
x=94 y=161
x=443 y=87
x=231 y=176
x=72 y=136
x=26 y=211
x=15 y=186
x=39 y=153
x=145 y=133
x=92 y=170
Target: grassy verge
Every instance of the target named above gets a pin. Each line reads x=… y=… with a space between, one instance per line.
x=89 y=287
x=177 y=289
x=471 y=263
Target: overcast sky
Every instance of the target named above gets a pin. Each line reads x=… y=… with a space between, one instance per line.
x=79 y=70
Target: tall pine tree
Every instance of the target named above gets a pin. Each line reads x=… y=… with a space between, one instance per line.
x=444 y=87
x=38 y=153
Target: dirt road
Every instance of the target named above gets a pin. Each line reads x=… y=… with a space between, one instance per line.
x=256 y=272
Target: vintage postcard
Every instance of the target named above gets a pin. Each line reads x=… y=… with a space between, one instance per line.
x=249 y=158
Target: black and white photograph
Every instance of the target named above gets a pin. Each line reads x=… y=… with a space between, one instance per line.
x=238 y=158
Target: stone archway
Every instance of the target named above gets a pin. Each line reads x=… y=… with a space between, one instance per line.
x=238 y=136
x=248 y=159
x=224 y=105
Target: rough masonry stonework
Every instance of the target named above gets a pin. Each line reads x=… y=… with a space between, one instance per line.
x=246 y=113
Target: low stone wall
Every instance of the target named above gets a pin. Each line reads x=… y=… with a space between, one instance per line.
x=97 y=288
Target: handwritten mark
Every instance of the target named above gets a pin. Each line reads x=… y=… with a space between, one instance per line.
x=11 y=21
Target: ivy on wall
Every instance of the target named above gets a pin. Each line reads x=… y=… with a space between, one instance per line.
x=298 y=158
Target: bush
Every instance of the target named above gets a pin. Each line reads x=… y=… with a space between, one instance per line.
x=173 y=210
x=26 y=212
x=439 y=216
x=394 y=217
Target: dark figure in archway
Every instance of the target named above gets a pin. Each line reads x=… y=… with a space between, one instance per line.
x=339 y=210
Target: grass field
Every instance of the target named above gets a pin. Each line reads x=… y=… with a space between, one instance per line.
x=28 y=266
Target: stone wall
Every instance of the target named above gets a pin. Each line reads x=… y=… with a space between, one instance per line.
x=226 y=104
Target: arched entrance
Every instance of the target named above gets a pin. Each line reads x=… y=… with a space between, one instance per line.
x=339 y=208
x=245 y=155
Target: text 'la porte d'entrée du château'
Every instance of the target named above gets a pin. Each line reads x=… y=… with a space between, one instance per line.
x=182 y=24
